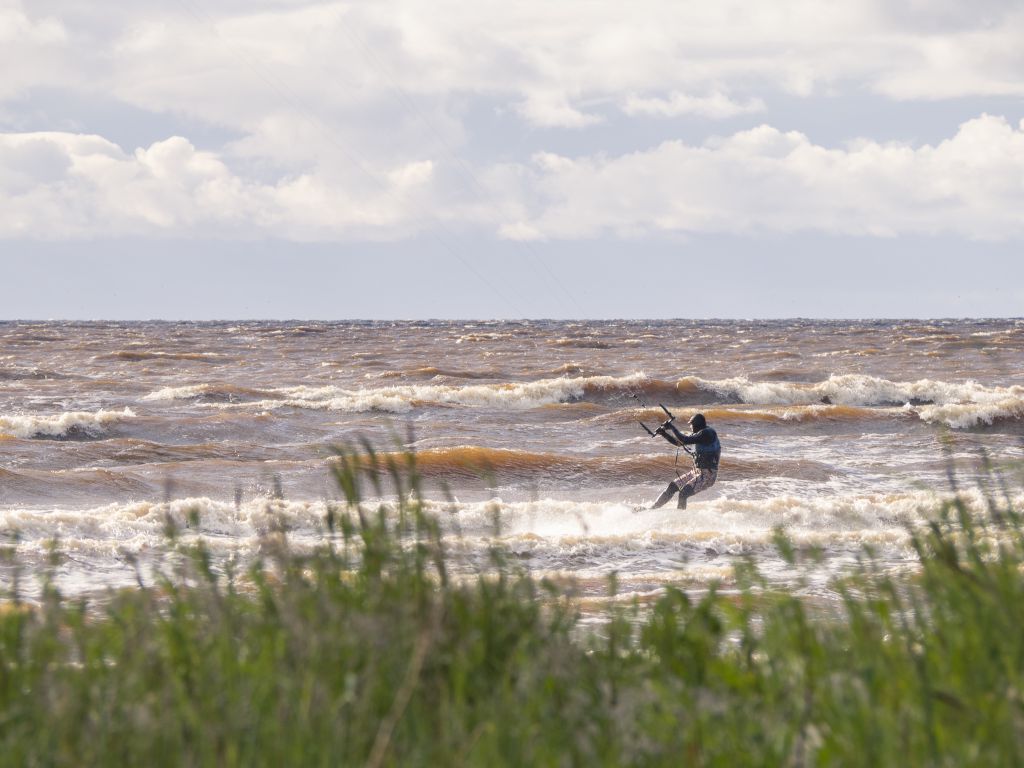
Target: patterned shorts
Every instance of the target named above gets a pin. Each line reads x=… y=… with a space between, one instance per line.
x=698 y=480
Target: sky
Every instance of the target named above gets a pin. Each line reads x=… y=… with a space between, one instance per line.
x=401 y=159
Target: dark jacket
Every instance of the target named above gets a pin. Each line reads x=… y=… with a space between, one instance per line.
x=706 y=448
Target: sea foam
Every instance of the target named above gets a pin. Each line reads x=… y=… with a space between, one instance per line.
x=401 y=399
x=90 y=423
x=822 y=518
x=956 y=404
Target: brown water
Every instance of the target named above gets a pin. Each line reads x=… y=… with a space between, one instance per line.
x=831 y=429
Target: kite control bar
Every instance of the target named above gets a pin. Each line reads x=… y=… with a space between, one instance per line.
x=669 y=420
x=665 y=423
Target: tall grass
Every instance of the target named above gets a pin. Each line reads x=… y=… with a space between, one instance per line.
x=368 y=651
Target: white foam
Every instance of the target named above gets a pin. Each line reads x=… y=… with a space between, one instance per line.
x=578 y=538
x=957 y=404
x=144 y=522
x=838 y=514
x=401 y=399
x=545 y=518
x=178 y=393
x=966 y=415
x=60 y=425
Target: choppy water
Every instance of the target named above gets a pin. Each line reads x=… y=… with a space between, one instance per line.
x=832 y=429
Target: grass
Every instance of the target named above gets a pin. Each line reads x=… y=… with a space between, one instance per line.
x=369 y=652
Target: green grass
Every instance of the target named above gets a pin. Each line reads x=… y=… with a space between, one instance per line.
x=369 y=652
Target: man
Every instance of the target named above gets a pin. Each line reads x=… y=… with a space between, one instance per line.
x=706 y=452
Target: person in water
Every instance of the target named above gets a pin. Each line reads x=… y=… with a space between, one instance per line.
x=706 y=453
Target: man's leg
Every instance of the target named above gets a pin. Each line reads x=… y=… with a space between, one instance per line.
x=682 y=482
x=665 y=496
x=704 y=479
x=684 y=493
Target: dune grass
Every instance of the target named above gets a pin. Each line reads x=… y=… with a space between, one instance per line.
x=368 y=651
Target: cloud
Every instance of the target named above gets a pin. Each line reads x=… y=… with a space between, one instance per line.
x=553 y=110
x=61 y=185
x=716 y=105
x=357 y=119
x=765 y=180
x=243 y=64
x=33 y=51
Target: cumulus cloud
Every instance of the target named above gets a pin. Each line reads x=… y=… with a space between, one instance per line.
x=553 y=110
x=240 y=64
x=759 y=180
x=349 y=119
x=766 y=180
x=33 y=50
x=716 y=105
x=61 y=185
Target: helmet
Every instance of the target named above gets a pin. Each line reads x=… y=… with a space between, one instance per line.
x=697 y=422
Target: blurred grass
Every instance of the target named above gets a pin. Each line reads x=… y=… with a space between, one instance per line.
x=366 y=652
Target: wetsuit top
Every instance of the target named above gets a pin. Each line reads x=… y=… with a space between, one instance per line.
x=706 y=448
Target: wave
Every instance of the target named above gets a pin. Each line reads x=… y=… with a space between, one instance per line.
x=132 y=451
x=720 y=525
x=580 y=343
x=483 y=337
x=41 y=486
x=29 y=374
x=143 y=523
x=567 y=369
x=503 y=396
x=846 y=397
x=209 y=393
x=853 y=389
x=66 y=426
x=956 y=404
x=770 y=414
x=430 y=372
x=132 y=355
x=503 y=465
x=968 y=415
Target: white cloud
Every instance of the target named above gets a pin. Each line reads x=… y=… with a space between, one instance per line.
x=715 y=105
x=239 y=64
x=350 y=119
x=60 y=185
x=553 y=110
x=764 y=180
x=33 y=51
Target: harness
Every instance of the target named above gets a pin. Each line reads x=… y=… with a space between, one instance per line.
x=706 y=455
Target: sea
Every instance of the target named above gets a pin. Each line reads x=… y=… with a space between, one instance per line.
x=844 y=435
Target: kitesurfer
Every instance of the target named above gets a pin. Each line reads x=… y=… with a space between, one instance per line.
x=706 y=453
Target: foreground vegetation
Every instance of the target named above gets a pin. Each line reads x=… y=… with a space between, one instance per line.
x=369 y=652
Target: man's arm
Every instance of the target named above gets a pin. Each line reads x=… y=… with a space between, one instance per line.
x=669 y=432
x=705 y=436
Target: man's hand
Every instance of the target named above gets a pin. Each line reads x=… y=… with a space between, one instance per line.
x=660 y=430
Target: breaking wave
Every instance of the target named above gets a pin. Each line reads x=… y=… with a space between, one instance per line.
x=770 y=414
x=505 y=396
x=503 y=465
x=431 y=372
x=725 y=525
x=846 y=397
x=143 y=524
x=957 y=404
x=967 y=415
x=69 y=425
x=209 y=393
